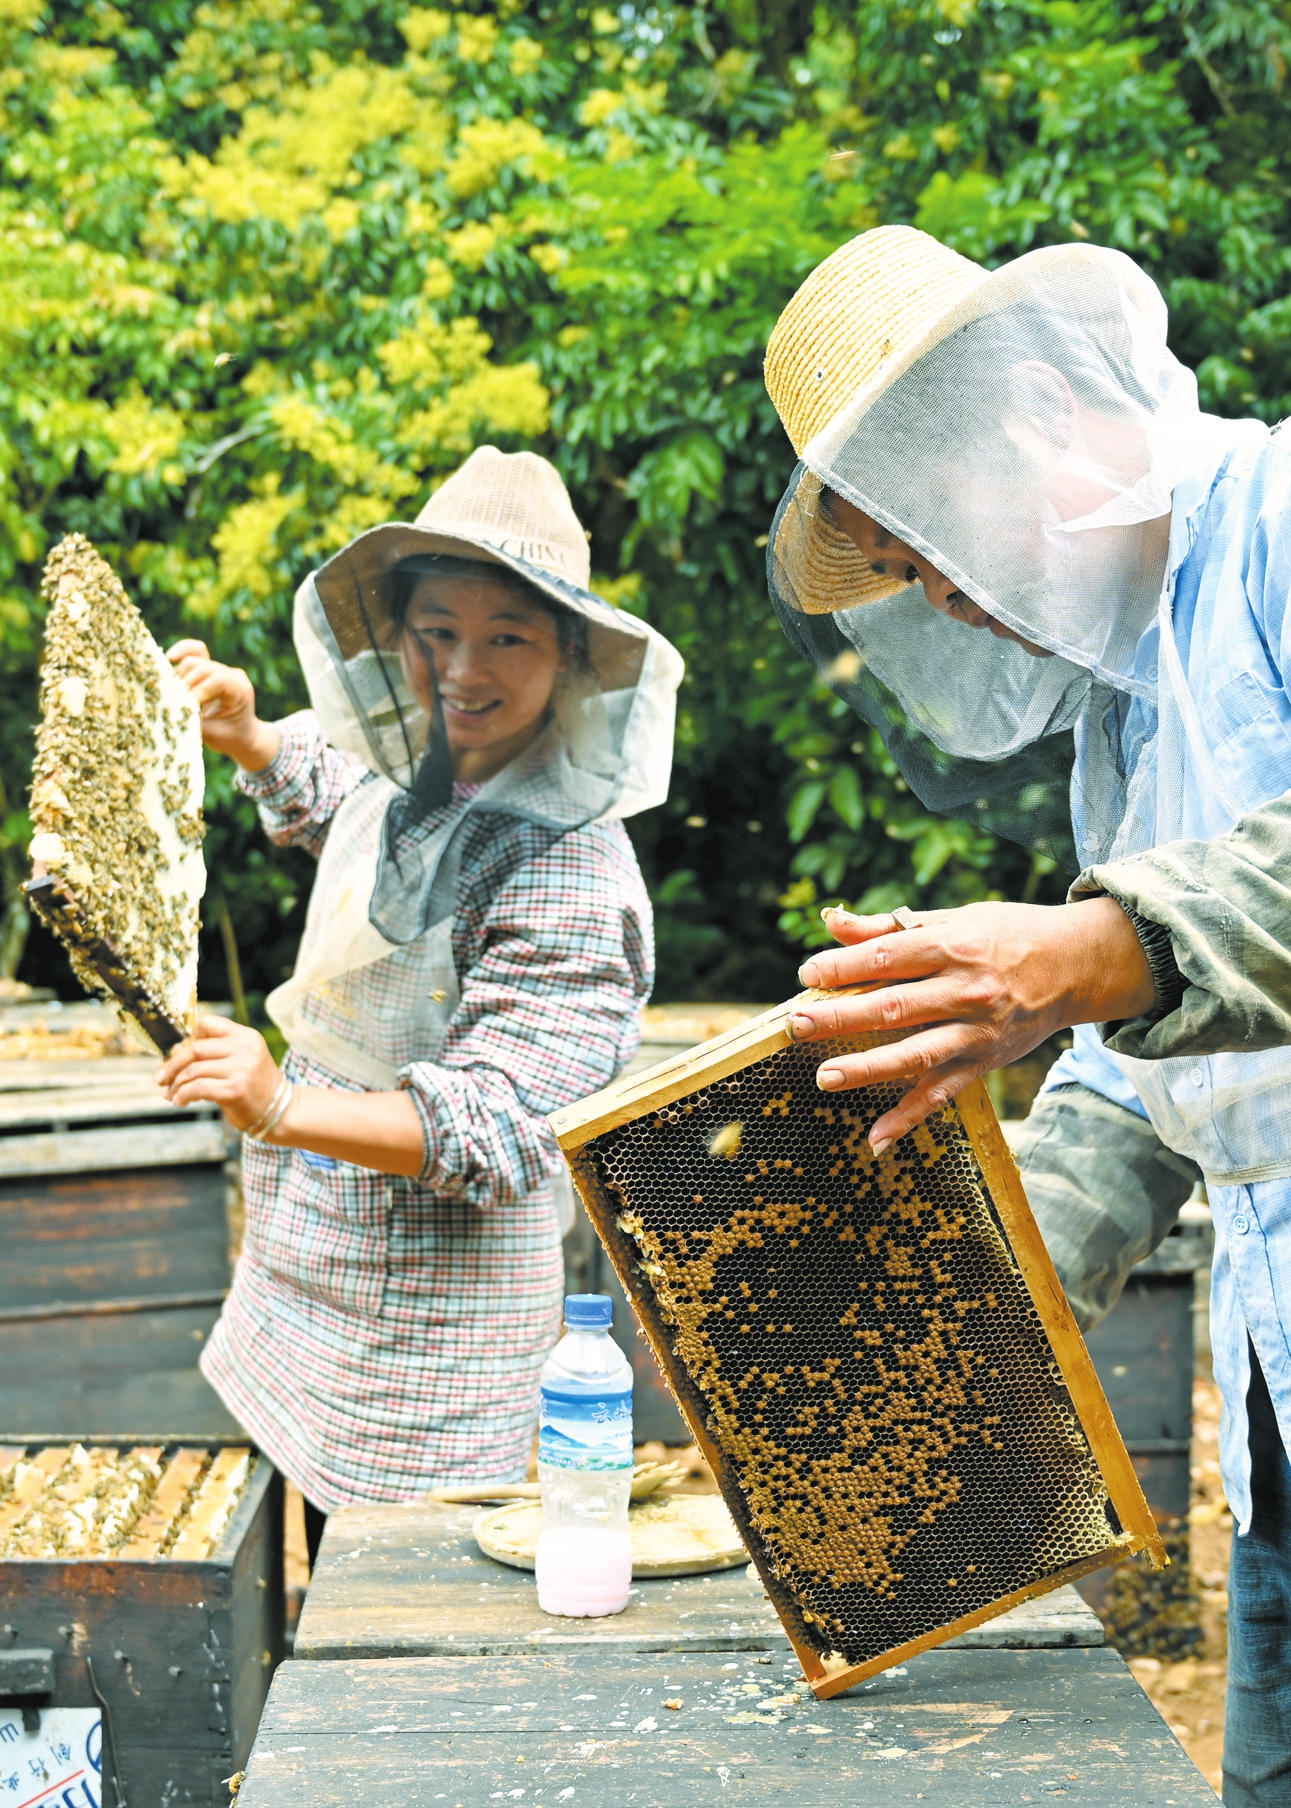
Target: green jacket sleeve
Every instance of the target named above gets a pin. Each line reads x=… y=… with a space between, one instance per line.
x=1104 y=1190
x=1227 y=907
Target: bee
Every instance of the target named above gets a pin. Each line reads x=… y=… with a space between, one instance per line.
x=726 y=1141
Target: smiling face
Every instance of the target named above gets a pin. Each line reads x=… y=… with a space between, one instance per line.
x=496 y=659
x=890 y=557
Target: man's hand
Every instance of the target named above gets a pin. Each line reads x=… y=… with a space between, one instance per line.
x=224 y=1064
x=976 y=988
x=228 y=705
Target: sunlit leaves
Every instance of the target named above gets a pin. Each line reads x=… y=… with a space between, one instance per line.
x=969 y=214
x=269 y=268
x=485 y=149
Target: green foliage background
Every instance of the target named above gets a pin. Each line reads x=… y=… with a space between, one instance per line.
x=269 y=269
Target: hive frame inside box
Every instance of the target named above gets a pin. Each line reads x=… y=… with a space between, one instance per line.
x=177 y=1652
x=578 y=1126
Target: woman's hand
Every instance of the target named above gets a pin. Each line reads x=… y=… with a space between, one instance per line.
x=224 y=1064
x=228 y=706
x=976 y=987
x=228 y=1065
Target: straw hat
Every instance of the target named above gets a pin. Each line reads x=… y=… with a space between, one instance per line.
x=857 y=313
x=861 y=319
x=499 y=508
x=515 y=503
x=852 y=326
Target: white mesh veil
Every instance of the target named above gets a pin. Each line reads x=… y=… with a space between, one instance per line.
x=606 y=750
x=1027 y=446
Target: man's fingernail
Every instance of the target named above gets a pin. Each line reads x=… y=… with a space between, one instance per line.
x=799 y=1026
x=808 y=973
x=829 y=1079
x=884 y=1142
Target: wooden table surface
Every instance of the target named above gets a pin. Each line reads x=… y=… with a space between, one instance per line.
x=410 y=1581
x=590 y=1727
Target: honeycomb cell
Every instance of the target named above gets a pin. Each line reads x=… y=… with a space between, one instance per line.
x=865 y=1348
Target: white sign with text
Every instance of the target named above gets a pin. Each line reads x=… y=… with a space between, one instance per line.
x=58 y=1766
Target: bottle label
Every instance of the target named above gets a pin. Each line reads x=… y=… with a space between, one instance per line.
x=578 y=1431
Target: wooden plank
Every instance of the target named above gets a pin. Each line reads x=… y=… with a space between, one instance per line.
x=103 y=1074
x=672 y=1080
x=1054 y=1622
x=953 y=1729
x=409 y=1577
x=93 y=1354
x=82 y=1309
x=128 y=1096
x=1078 y=1371
x=141 y=1383
x=250 y=1552
x=134 y=1146
x=213 y=1505
x=168 y=1503
x=106 y=1236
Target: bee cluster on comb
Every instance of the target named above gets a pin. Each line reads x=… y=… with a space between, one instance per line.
x=854 y=1339
x=70 y=1501
x=116 y=799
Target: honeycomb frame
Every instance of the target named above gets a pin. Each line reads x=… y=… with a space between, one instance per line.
x=116 y=801
x=921 y=1399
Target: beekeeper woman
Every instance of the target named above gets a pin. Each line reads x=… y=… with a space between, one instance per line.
x=477 y=951
x=1018 y=549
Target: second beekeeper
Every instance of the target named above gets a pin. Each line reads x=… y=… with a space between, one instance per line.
x=477 y=952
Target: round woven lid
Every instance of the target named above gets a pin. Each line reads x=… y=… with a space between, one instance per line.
x=671 y=1534
x=856 y=320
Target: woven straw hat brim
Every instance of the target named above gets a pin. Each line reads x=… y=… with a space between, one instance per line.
x=826 y=565
x=829 y=572
x=361 y=570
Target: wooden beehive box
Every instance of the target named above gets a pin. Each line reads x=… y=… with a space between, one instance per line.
x=114 y=1223
x=170 y=1641
x=873 y=1351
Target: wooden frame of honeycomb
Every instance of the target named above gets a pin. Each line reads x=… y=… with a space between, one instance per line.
x=873 y=1352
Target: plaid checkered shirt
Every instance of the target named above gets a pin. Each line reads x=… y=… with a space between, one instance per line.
x=384 y=1336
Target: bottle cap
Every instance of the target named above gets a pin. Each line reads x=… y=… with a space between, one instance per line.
x=589 y=1311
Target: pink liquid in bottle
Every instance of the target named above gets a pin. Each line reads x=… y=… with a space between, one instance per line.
x=583 y=1571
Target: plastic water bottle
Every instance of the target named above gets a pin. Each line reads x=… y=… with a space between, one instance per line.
x=585 y=1457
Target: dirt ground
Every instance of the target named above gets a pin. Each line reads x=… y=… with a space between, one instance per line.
x=1190 y=1694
